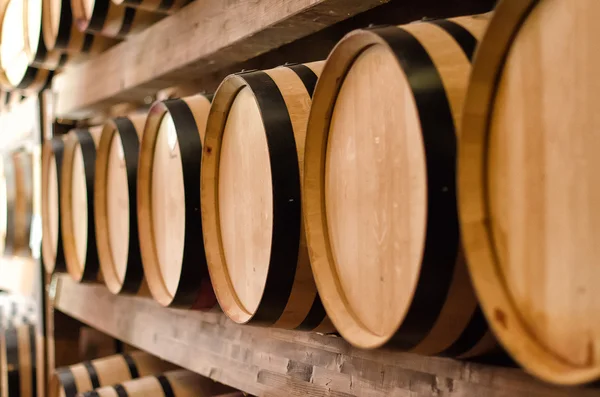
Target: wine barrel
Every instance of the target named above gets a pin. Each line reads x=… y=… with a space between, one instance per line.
x=61 y=33
x=89 y=375
x=159 y=6
x=169 y=223
x=379 y=188
x=19 y=202
x=52 y=246
x=251 y=186
x=180 y=383
x=18 y=367
x=109 y=19
x=17 y=71
x=77 y=204
x=38 y=54
x=528 y=185
x=115 y=204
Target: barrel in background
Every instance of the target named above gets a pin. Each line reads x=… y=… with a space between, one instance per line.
x=528 y=185
x=17 y=70
x=52 y=246
x=251 y=198
x=180 y=383
x=18 y=362
x=168 y=198
x=115 y=202
x=61 y=32
x=89 y=375
x=77 y=204
x=379 y=188
x=38 y=54
x=109 y=19
x=18 y=176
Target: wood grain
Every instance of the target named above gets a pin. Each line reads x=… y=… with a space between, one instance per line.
x=52 y=204
x=209 y=35
x=79 y=206
x=168 y=204
x=117 y=207
x=376 y=190
x=270 y=362
x=527 y=187
x=246 y=200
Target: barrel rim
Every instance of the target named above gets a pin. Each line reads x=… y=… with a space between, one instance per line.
x=477 y=236
x=53 y=256
x=134 y=274
x=194 y=289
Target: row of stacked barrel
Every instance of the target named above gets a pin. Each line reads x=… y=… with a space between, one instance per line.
x=39 y=37
x=131 y=374
x=367 y=191
x=18 y=317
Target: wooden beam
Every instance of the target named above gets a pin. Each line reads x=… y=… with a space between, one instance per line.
x=268 y=362
x=205 y=36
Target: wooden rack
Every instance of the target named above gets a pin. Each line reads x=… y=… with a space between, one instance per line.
x=269 y=362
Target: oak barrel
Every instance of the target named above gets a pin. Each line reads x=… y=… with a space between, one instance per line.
x=180 y=383
x=90 y=375
x=250 y=198
x=109 y=19
x=52 y=246
x=169 y=223
x=77 y=204
x=528 y=185
x=61 y=32
x=115 y=204
x=159 y=6
x=379 y=188
x=18 y=176
x=38 y=54
x=17 y=71
x=18 y=362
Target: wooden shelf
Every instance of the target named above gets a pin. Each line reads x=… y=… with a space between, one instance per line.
x=268 y=362
x=206 y=36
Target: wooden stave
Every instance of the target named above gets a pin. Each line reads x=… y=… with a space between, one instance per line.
x=91 y=265
x=194 y=289
x=272 y=310
x=342 y=58
x=52 y=149
x=19 y=200
x=130 y=131
x=179 y=383
x=159 y=6
x=494 y=298
x=68 y=38
x=17 y=358
x=111 y=20
x=66 y=381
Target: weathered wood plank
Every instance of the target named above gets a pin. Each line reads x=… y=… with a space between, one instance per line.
x=268 y=362
x=206 y=36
